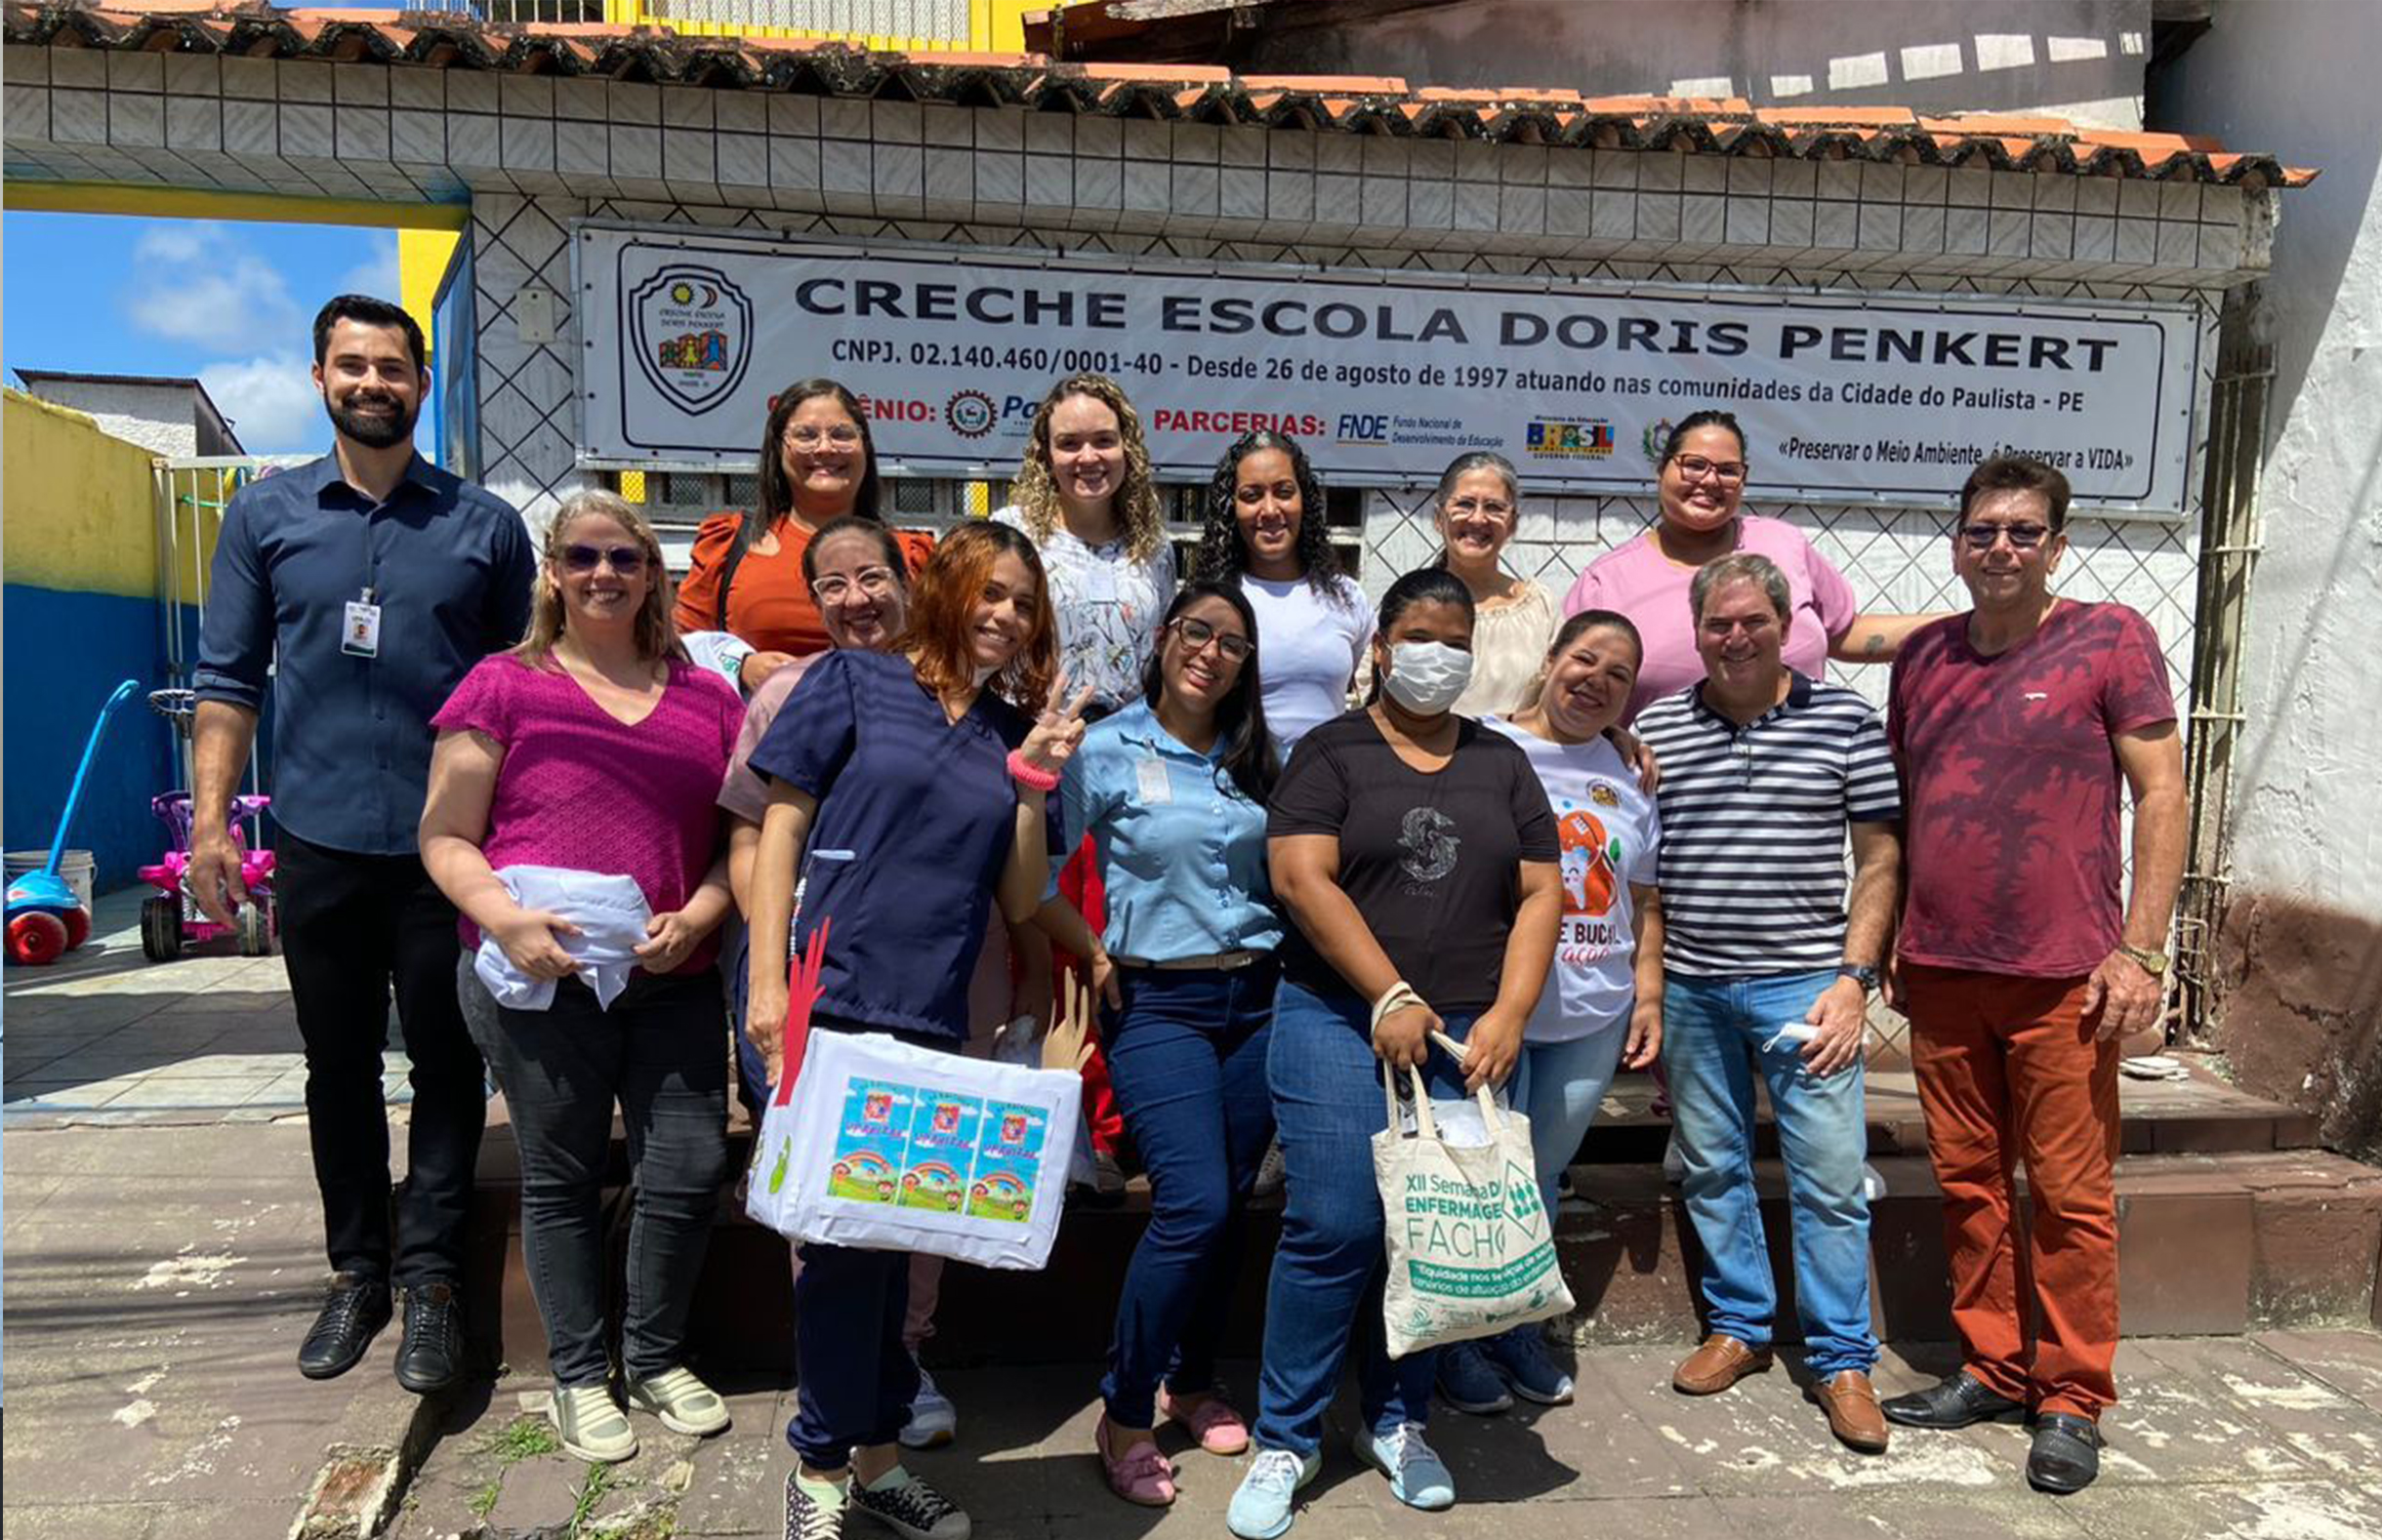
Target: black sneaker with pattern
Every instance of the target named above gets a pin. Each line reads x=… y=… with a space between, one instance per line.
x=808 y=1518
x=911 y=1509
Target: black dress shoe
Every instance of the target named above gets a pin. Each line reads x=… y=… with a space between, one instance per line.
x=430 y=1358
x=1958 y=1401
x=353 y=1311
x=2067 y=1453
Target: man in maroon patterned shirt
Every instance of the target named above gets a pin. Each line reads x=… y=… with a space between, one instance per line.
x=2012 y=727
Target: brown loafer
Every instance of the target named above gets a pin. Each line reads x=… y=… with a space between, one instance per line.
x=1720 y=1363
x=1852 y=1412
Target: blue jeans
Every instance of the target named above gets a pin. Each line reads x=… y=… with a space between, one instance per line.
x=1187 y=1058
x=1328 y=1270
x=1558 y=1086
x=1712 y=1035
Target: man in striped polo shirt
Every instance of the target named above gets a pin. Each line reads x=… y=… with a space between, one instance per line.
x=1767 y=969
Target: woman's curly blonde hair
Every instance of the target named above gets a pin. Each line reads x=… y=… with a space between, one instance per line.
x=1035 y=490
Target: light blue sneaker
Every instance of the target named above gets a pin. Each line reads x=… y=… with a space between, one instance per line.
x=1521 y=1357
x=1469 y=1382
x=1261 y=1508
x=1417 y=1477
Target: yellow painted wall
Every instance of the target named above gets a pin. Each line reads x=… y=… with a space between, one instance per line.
x=81 y=503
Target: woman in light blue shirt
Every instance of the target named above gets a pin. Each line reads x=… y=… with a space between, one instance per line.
x=1172 y=792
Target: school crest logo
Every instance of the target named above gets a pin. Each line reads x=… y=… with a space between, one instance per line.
x=692 y=333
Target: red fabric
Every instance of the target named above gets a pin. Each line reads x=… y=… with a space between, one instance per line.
x=2009 y=1073
x=769 y=605
x=2010 y=788
x=1079 y=883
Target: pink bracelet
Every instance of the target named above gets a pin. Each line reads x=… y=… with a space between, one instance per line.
x=1029 y=776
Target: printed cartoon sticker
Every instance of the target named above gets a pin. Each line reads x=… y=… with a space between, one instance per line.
x=873 y=1145
x=1008 y=1162
x=942 y=1141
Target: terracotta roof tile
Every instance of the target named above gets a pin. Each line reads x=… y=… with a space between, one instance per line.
x=1345 y=103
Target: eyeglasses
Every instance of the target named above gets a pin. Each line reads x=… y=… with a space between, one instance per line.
x=2023 y=537
x=1695 y=468
x=1489 y=507
x=804 y=436
x=1198 y=633
x=875 y=582
x=627 y=560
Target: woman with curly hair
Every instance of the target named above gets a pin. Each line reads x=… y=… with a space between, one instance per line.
x=1267 y=532
x=1085 y=496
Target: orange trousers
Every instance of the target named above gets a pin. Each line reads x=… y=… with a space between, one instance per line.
x=2008 y=1071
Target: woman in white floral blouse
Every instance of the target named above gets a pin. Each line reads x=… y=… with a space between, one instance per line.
x=1084 y=495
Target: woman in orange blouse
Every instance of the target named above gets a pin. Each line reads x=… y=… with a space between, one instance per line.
x=817 y=464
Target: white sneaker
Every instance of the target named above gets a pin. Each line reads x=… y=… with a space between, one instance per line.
x=591 y=1425
x=934 y=1420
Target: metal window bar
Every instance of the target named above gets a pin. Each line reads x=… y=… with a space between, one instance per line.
x=191 y=498
x=2233 y=534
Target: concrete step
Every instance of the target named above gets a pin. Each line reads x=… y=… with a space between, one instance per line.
x=2211 y=1242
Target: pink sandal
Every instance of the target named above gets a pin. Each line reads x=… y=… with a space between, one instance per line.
x=1141 y=1475
x=1218 y=1429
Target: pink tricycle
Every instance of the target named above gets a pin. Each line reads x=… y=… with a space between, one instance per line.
x=170 y=917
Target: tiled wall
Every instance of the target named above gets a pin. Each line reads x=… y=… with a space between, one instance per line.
x=535 y=152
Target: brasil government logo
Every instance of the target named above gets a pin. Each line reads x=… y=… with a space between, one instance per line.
x=691 y=330
x=1592 y=439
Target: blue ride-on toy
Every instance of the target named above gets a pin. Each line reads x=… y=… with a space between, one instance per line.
x=45 y=918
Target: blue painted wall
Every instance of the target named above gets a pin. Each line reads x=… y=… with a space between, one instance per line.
x=65 y=652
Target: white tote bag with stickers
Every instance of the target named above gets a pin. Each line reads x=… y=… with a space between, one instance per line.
x=1471 y=1243
x=900 y=1148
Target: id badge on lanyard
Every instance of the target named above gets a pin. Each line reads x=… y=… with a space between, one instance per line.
x=359 y=634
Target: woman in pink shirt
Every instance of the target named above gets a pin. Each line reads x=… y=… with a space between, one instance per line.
x=1700 y=483
x=595 y=747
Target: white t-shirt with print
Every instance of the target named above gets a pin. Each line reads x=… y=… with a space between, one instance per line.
x=1107 y=606
x=1609 y=836
x=1308 y=647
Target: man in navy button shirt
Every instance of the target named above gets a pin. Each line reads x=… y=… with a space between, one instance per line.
x=365 y=585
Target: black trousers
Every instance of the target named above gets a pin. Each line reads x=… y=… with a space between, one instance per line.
x=355 y=928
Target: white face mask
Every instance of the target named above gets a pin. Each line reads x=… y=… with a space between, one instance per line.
x=1426 y=677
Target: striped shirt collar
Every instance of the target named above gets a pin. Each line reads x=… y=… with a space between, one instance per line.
x=1799 y=698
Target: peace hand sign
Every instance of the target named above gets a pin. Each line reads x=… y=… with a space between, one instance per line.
x=1058 y=729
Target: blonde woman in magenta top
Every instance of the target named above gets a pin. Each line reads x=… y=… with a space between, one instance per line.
x=1479 y=504
x=1084 y=498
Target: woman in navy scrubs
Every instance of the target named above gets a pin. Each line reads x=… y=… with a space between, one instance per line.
x=917 y=787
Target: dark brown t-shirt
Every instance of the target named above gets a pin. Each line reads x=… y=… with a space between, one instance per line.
x=1431 y=860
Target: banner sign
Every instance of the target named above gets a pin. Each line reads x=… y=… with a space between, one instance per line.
x=1384 y=377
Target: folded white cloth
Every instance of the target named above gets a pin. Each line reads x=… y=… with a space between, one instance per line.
x=610 y=912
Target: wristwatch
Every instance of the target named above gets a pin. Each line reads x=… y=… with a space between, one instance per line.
x=1859 y=973
x=2154 y=963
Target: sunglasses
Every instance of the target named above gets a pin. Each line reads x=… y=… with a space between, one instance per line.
x=1197 y=633
x=2023 y=537
x=627 y=560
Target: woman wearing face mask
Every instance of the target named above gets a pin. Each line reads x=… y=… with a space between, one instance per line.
x=595 y=747
x=1602 y=1007
x=918 y=791
x=1265 y=531
x=1415 y=849
x=854 y=567
x=1700 y=484
x=1479 y=505
x=745 y=577
x=1084 y=495
x=1172 y=791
